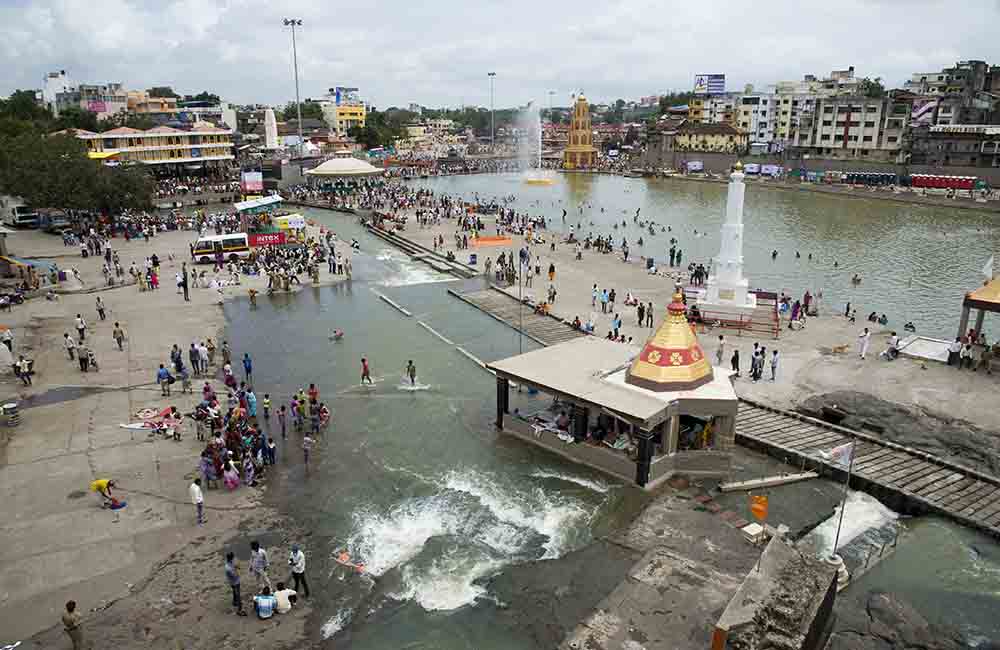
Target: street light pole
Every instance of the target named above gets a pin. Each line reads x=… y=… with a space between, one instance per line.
x=293 y=23
x=492 y=76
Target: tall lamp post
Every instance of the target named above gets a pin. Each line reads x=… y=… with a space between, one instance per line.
x=492 y=76
x=293 y=23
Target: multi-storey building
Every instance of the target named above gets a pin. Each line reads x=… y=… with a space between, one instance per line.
x=162 y=145
x=965 y=93
x=757 y=114
x=714 y=109
x=53 y=84
x=944 y=145
x=855 y=126
x=717 y=138
x=159 y=109
x=104 y=100
x=343 y=109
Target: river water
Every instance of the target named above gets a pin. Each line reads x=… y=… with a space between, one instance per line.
x=415 y=484
x=916 y=262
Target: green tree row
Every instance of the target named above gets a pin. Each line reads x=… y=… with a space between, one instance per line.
x=52 y=170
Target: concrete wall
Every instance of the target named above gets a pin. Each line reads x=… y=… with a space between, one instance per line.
x=722 y=162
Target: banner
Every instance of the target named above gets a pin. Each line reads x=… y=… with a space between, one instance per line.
x=695 y=166
x=97 y=106
x=709 y=84
x=771 y=170
x=751 y=168
x=267 y=239
x=923 y=112
x=758 y=506
x=253 y=182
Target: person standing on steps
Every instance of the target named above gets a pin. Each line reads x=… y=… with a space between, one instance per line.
x=297 y=561
x=735 y=361
x=864 y=339
x=248 y=367
x=198 y=500
x=72 y=624
x=70 y=345
x=774 y=365
x=720 y=352
x=100 y=309
x=649 y=314
x=233 y=579
x=81 y=328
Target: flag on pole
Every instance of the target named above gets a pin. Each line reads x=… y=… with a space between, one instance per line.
x=840 y=455
x=988 y=269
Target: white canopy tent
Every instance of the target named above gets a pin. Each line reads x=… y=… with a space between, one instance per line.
x=343 y=167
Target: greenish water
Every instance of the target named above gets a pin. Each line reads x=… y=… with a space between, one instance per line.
x=916 y=262
x=416 y=484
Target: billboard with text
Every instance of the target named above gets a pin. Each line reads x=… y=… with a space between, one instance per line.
x=709 y=84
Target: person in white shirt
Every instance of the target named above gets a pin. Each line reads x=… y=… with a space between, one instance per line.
x=70 y=345
x=81 y=328
x=198 y=499
x=953 y=352
x=286 y=598
x=863 y=341
x=8 y=339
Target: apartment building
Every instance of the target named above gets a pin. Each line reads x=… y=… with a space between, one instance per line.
x=855 y=126
x=965 y=93
x=714 y=109
x=104 y=100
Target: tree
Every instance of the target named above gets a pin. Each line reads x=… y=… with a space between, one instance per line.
x=74 y=117
x=203 y=96
x=674 y=99
x=162 y=91
x=380 y=129
x=54 y=171
x=872 y=88
x=22 y=105
x=310 y=110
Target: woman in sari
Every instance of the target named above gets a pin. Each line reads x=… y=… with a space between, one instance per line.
x=231 y=477
x=248 y=470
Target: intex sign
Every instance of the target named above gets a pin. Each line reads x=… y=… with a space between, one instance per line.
x=267 y=239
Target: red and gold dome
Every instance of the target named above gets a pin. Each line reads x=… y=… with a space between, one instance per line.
x=672 y=359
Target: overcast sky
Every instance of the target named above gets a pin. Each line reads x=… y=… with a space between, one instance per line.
x=437 y=53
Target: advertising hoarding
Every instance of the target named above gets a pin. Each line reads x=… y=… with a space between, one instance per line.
x=709 y=84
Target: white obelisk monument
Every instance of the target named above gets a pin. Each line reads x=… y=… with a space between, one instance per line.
x=270 y=130
x=727 y=287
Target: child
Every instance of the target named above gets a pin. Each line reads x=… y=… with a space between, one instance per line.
x=272 y=450
x=307 y=444
x=281 y=420
x=314 y=417
x=185 y=381
x=324 y=414
x=267 y=406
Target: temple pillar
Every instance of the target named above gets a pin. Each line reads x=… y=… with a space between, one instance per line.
x=644 y=458
x=503 y=399
x=963 y=322
x=672 y=430
x=581 y=422
x=979 y=321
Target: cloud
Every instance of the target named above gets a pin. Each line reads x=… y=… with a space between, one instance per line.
x=438 y=52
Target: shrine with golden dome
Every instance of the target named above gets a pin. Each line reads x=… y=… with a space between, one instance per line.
x=642 y=414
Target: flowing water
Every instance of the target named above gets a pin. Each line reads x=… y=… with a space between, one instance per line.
x=916 y=262
x=415 y=484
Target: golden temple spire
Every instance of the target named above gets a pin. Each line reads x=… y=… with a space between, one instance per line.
x=672 y=359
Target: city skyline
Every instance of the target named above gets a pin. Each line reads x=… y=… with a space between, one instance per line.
x=440 y=55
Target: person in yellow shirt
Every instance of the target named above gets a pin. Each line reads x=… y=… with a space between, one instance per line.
x=103 y=488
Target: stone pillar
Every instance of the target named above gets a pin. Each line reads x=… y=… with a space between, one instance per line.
x=963 y=323
x=672 y=430
x=979 y=321
x=645 y=457
x=503 y=400
x=581 y=422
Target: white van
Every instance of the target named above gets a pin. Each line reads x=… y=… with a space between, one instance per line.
x=233 y=246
